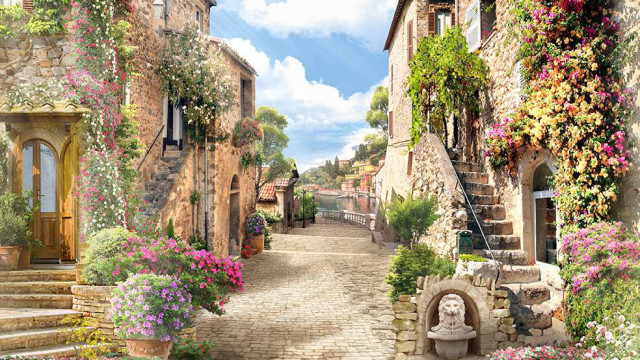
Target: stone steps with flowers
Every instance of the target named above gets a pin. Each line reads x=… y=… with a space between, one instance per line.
x=531 y=300
x=159 y=186
x=37 y=289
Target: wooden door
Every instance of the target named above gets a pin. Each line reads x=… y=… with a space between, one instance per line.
x=39 y=175
x=68 y=203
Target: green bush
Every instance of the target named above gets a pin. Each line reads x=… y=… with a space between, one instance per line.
x=270 y=217
x=188 y=349
x=412 y=218
x=471 y=257
x=103 y=246
x=15 y=220
x=408 y=264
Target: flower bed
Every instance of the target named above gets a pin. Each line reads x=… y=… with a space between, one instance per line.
x=537 y=353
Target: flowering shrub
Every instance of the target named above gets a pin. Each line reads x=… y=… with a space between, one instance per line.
x=601 y=264
x=208 y=279
x=246 y=131
x=576 y=105
x=537 y=353
x=198 y=81
x=103 y=245
x=617 y=338
x=256 y=224
x=187 y=349
x=247 y=251
x=602 y=252
x=148 y=305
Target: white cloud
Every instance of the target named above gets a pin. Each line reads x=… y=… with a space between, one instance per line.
x=322 y=122
x=283 y=84
x=364 y=20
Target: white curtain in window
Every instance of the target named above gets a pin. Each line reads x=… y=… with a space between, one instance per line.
x=443 y=21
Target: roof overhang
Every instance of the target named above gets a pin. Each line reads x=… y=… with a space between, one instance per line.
x=58 y=111
x=394 y=23
x=234 y=55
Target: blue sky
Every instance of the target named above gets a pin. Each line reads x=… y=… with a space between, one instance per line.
x=318 y=62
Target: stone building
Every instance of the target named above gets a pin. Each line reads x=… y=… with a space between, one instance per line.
x=279 y=197
x=513 y=215
x=49 y=136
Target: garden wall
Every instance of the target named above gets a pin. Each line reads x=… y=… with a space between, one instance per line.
x=94 y=301
x=434 y=174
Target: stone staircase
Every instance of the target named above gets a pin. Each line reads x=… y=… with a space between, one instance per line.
x=159 y=186
x=532 y=301
x=33 y=304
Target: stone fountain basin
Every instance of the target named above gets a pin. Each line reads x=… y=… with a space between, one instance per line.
x=452 y=345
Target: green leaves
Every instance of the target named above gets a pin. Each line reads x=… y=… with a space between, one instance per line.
x=412 y=218
x=445 y=79
x=377 y=115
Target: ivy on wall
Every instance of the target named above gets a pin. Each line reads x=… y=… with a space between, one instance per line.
x=445 y=80
x=48 y=18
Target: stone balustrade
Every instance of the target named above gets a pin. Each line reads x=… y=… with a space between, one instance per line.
x=364 y=220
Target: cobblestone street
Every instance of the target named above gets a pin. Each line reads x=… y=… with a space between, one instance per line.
x=318 y=294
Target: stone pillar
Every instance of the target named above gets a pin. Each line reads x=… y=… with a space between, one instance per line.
x=404 y=325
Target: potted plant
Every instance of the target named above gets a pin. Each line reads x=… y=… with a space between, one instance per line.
x=255 y=230
x=15 y=229
x=247 y=252
x=149 y=311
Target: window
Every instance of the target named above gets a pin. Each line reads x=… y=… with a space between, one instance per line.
x=410 y=163
x=410 y=40
x=10 y=2
x=246 y=97
x=391 y=124
x=198 y=20
x=443 y=21
x=481 y=21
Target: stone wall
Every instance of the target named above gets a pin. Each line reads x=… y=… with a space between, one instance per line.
x=179 y=206
x=487 y=312
x=436 y=176
x=94 y=302
x=395 y=179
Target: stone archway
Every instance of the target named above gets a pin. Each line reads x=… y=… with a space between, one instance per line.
x=532 y=187
x=234 y=216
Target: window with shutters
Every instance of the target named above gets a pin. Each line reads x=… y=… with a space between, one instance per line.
x=488 y=18
x=391 y=124
x=443 y=21
x=10 y=2
x=473 y=32
x=410 y=40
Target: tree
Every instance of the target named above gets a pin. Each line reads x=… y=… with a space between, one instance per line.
x=377 y=115
x=336 y=166
x=362 y=151
x=411 y=218
x=270 y=151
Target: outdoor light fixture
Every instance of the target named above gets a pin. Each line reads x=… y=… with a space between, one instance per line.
x=158 y=9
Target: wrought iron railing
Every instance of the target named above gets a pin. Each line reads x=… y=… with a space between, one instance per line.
x=150 y=147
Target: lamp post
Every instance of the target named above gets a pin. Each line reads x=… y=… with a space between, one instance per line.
x=303 y=213
x=313 y=209
x=159 y=7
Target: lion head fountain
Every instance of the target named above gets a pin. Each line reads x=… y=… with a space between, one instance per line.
x=451 y=335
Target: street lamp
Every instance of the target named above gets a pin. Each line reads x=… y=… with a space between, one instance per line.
x=304 y=215
x=313 y=209
x=158 y=9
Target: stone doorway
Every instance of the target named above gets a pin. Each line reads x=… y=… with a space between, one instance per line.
x=544 y=216
x=234 y=216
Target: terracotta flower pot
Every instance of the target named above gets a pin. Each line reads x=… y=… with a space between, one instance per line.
x=149 y=348
x=24 y=262
x=9 y=256
x=257 y=242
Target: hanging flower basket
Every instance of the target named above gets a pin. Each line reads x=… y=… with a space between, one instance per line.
x=246 y=132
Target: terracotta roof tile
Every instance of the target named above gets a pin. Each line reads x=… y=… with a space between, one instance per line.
x=267 y=192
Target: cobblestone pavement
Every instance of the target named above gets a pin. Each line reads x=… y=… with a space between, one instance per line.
x=311 y=297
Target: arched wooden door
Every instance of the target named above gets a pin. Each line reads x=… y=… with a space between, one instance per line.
x=40 y=175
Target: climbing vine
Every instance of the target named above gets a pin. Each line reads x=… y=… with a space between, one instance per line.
x=576 y=105
x=97 y=81
x=445 y=79
x=48 y=18
x=198 y=82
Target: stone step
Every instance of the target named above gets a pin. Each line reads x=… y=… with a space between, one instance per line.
x=38 y=275
x=484 y=199
x=497 y=242
x=474 y=177
x=37 y=287
x=16 y=319
x=528 y=294
x=478 y=189
x=489 y=212
x=512 y=274
x=160 y=175
x=492 y=227
x=49 y=351
x=556 y=335
x=527 y=317
x=35 y=338
x=509 y=257
x=462 y=166
x=40 y=301
x=151 y=185
x=172 y=153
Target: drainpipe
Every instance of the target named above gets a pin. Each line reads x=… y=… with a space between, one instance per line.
x=206 y=191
